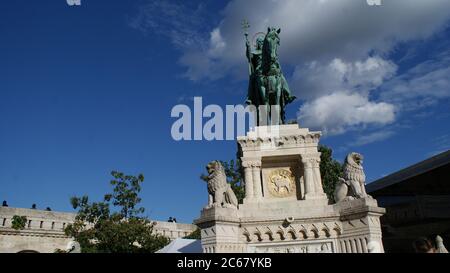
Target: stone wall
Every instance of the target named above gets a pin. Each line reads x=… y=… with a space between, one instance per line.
x=44 y=230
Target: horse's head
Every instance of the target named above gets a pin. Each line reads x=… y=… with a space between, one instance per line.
x=271 y=43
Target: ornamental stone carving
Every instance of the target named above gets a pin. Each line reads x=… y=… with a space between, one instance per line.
x=281 y=183
x=352 y=185
x=285 y=208
x=313 y=137
x=220 y=192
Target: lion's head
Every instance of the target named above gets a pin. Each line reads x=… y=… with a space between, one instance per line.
x=216 y=176
x=353 y=169
x=213 y=167
x=355 y=159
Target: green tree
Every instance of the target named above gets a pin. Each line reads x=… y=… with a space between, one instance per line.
x=194 y=235
x=18 y=222
x=233 y=171
x=115 y=225
x=330 y=170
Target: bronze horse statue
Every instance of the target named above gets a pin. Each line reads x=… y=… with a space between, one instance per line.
x=268 y=88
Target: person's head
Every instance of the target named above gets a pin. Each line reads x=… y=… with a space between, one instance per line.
x=259 y=43
x=424 y=245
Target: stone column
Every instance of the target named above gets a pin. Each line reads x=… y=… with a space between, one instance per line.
x=257 y=191
x=353 y=246
x=364 y=245
x=248 y=176
x=309 y=178
x=317 y=177
x=359 y=248
x=312 y=177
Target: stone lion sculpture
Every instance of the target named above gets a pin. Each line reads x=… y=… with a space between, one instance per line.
x=353 y=184
x=220 y=192
x=440 y=245
x=73 y=247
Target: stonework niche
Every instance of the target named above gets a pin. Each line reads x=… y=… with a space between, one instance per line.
x=282 y=178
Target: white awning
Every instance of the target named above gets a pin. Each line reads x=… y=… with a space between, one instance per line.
x=182 y=246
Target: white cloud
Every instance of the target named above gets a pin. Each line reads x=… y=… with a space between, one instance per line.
x=217 y=44
x=182 y=24
x=340 y=111
x=337 y=48
x=337 y=94
x=323 y=30
x=372 y=137
x=314 y=79
x=421 y=86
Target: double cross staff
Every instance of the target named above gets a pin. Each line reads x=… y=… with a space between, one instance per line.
x=245 y=27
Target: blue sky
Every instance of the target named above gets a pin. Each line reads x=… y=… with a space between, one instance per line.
x=89 y=89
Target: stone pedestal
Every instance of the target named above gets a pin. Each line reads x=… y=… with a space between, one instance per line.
x=285 y=208
x=281 y=162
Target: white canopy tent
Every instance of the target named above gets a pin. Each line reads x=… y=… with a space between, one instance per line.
x=182 y=246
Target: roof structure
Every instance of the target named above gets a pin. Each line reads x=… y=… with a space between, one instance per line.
x=428 y=177
x=182 y=246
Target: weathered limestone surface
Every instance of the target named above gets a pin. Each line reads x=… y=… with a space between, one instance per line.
x=285 y=208
x=44 y=231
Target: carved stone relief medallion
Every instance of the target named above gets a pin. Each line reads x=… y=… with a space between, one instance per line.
x=281 y=183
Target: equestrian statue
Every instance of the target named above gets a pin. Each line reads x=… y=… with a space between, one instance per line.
x=268 y=89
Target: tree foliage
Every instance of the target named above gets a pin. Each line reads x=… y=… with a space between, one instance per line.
x=18 y=222
x=330 y=170
x=115 y=225
x=195 y=235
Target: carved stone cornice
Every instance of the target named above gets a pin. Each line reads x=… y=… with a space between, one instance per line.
x=252 y=164
x=311 y=159
x=293 y=232
x=312 y=137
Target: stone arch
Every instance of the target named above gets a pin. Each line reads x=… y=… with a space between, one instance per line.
x=281 y=235
x=258 y=236
x=314 y=231
x=304 y=231
x=292 y=234
x=269 y=235
x=304 y=234
x=337 y=231
x=326 y=232
x=247 y=236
